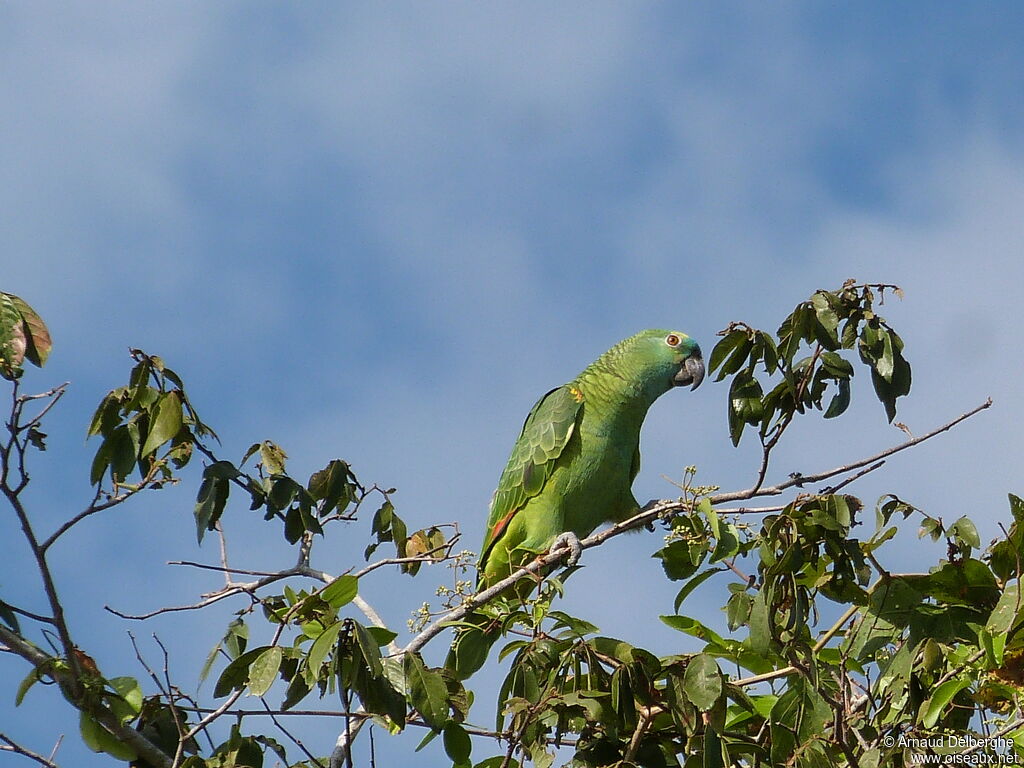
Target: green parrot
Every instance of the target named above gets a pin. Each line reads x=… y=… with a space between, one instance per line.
x=574 y=463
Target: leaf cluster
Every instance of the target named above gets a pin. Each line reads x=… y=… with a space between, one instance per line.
x=805 y=360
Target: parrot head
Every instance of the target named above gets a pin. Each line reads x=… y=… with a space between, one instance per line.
x=667 y=358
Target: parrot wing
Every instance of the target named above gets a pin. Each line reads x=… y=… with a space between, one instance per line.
x=545 y=434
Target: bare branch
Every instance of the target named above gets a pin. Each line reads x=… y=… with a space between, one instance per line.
x=222 y=569
x=49 y=587
x=9 y=745
x=29 y=614
x=749 y=510
x=213 y=597
x=294 y=740
x=98 y=506
x=851 y=478
x=214 y=714
x=54 y=394
x=775 y=490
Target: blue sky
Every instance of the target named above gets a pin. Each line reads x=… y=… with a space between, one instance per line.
x=380 y=232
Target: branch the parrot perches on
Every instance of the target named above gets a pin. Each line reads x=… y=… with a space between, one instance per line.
x=574 y=463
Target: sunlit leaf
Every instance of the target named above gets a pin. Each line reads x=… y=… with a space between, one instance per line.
x=165 y=421
x=427 y=691
x=263 y=670
x=341 y=591
x=702 y=681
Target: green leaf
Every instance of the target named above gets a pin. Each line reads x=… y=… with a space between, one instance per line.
x=236 y=673
x=826 y=314
x=273 y=457
x=165 y=421
x=33 y=677
x=322 y=646
x=738 y=610
x=836 y=364
x=263 y=670
x=498 y=761
x=400 y=534
x=427 y=691
x=940 y=699
x=727 y=543
x=236 y=638
x=98 y=739
x=840 y=401
x=691 y=585
x=341 y=591
x=1004 y=616
x=131 y=696
x=369 y=649
x=1016 y=507
x=722 y=349
x=702 y=681
x=330 y=486
x=208 y=664
x=381 y=635
x=745 y=404
x=760 y=636
x=8 y=616
x=298 y=689
x=457 y=744
x=714 y=753
x=739 y=356
x=282 y=492
x=694 y=628
x=124 y=450
x=885 y=366
x=965 y=529
x=470 y=647
x=213 y=495
x=248 y=454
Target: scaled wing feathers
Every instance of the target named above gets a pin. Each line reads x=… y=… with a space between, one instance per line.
x=545 y=434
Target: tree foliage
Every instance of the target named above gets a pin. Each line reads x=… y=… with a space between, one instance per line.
x=826 y=655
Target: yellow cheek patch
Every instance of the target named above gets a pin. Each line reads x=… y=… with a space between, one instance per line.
x=576 y=394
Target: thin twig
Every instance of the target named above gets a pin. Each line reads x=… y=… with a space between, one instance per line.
x=295 y=741
x=223 y=552
x=799 y=479
x=95 y=507
x=213 y=597
x=214 y=714
x=29 y=614
x=54 y=394
x=749 y=510
x=222 y=569
x=9 y=745
x=838 y=486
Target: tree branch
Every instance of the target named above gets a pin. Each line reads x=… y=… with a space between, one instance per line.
x=65 y=679
x=799 y=479
x=9 y=745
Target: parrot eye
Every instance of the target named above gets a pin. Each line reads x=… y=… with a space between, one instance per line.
x=672 y=340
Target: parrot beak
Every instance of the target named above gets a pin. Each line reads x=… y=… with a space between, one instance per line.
x=690 y=372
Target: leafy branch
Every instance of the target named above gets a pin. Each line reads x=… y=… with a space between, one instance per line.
x=904 y=653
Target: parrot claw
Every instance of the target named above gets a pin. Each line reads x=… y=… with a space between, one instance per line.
x=572 y=541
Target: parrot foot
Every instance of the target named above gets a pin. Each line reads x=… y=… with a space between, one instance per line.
x=572 y=541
